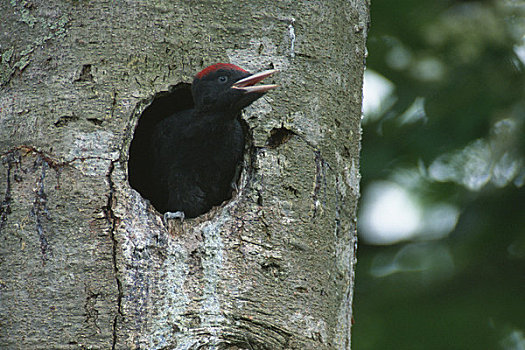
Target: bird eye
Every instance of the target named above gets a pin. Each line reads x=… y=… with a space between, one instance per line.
x=223 y=79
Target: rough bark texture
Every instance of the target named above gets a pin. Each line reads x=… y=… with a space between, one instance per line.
x=86 y=262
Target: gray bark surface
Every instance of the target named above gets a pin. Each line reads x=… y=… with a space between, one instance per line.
x=86 y=262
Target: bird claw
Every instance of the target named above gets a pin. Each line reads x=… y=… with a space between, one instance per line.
x=173 y=215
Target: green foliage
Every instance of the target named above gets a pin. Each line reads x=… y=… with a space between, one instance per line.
x=456 y=64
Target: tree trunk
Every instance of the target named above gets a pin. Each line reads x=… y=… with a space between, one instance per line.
x=86 y=262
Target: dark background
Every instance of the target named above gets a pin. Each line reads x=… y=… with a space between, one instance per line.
x=441 y=259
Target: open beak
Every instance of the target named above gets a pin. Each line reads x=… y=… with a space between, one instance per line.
x=247 y=84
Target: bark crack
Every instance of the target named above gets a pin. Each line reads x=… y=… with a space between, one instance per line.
x=90 y=308
x=52 y=162
x=5 y=206
x=320 y=182
x=39 y=209
x=338 y=202
x=113 y=221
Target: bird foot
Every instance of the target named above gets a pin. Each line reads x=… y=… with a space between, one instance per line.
x=173 y=215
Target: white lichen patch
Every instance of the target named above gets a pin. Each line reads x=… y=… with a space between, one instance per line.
x=345 y=261
x=91 y=153
x=92 y=166
x=344 y=322
x=212 y=264
x=272 y=163
x=91 y=144
x=152 y=269
x=351 y=175
x=291 y=36
x=172 y=306
x=343 y=256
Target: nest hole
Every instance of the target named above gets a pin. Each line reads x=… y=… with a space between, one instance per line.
x=164 y=104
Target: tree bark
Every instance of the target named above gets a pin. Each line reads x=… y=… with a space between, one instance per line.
x=86 y=262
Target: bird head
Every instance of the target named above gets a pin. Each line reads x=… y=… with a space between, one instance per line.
x=228 y=88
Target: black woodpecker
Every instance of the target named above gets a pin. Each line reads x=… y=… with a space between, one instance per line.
x=196 y=152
